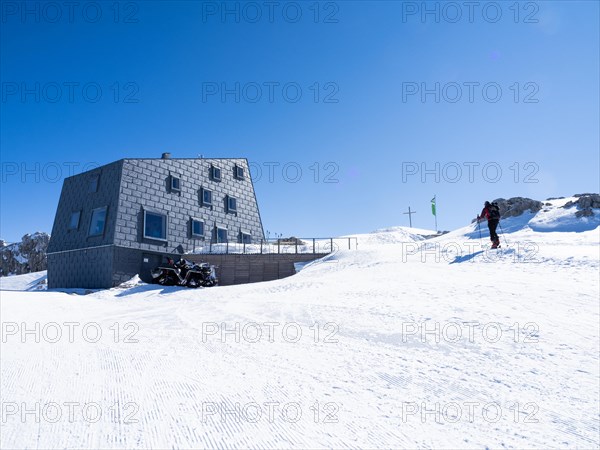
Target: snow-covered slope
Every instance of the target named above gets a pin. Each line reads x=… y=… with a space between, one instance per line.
x=393 y=235
x=34 y=281
x=554 y=235
x=403 y=343
x=555 y=217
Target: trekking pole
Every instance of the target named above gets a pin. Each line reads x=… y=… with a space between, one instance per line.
x=502 y=231
x=479 y=228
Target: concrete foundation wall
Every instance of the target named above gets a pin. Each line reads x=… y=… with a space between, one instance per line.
x=240 y=269
x=106 y=267
x=231 y=269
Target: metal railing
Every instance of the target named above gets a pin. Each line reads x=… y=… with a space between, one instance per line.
x=279 y=246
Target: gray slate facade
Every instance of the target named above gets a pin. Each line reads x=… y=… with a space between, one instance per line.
x=136 y=210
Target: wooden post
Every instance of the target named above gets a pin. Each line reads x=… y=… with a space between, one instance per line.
x=331 y=244
x=296 y=242
x=314 y=247
x=261 y=244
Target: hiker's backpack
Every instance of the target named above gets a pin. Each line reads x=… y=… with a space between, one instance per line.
x=494 y=211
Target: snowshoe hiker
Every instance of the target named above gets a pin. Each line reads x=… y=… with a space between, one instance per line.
x=491 y=213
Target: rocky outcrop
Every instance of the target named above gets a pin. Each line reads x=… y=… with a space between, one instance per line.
x=585 y=204
x=516 y=206
x=587 y=194
x=26 y=256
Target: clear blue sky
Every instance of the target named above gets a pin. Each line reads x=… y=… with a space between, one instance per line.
x=367 y=130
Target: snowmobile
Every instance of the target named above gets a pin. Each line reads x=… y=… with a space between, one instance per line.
x=185 y=273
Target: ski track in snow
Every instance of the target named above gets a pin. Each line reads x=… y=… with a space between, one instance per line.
x=166 y=380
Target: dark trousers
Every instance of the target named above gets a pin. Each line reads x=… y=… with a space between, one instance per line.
x=492 y=225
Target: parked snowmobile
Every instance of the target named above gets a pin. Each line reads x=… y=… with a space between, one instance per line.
x=185 y=273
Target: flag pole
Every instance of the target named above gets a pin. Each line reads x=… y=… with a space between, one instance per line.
x=434 y=211
x=436 y=227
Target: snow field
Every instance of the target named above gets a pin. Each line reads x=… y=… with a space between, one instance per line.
x=384 y=346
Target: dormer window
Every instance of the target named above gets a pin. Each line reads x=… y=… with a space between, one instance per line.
x=155 y=226
x=245 y=238
x=175 y=184
x=238 y=172
x=98 y=221
x=215 y=173
x=220 y=235
x=197 y=228
x=206 y=197
x=231 y=204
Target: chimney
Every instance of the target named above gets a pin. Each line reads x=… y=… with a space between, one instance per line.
x=166 y=156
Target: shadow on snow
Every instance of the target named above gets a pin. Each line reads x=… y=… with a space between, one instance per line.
x=465 y=258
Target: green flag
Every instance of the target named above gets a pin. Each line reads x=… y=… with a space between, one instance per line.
x=433 y=206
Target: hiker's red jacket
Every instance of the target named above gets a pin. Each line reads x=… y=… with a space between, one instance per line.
x=485 y=213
